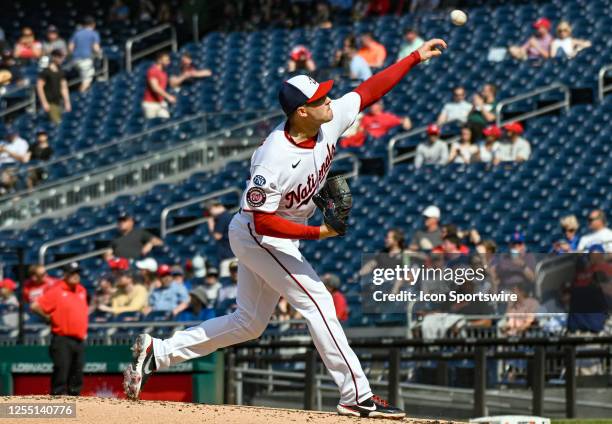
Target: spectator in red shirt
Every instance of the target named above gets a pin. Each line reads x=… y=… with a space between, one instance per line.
x=595 y=270
x=27 y=48
x=156 y=98
x=300 y=59
x=538 y=45
x=332 y=283
x=38 y=283
x=189 y=72
x=375 y=123
x=65 y=307
x=451 y=241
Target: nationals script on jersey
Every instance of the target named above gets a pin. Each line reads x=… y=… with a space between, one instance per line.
x=284 y=176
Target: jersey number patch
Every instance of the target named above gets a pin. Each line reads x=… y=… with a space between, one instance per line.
x=256 y=197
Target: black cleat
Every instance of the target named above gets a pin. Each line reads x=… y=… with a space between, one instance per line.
x=374 y=407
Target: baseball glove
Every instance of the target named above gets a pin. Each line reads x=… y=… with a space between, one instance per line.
x=335 y=201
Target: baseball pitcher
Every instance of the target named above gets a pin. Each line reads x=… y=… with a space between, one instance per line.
x=288 y=180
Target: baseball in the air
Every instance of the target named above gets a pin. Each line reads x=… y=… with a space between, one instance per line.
x=458 y=17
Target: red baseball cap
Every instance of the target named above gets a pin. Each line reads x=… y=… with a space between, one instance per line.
x=493 y=131
x=542 y=22
x=8 y=284
x=514 y=127
x=433 y=129
x=163 y=270
x=300 y=52
x=119 y=263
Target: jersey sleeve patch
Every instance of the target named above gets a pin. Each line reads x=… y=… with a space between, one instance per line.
x=259 y=180
x=255 y=196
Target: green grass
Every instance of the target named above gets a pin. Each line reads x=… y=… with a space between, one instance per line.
x=582 y=421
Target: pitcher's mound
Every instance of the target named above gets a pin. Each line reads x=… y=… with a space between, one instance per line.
x=92 y=410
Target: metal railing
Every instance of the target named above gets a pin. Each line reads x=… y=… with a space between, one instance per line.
x=9 y=335
x=130 y=57
x=392 y=159
x=195 y=27
x=565 y=103
x=165 y=229
x=354 y=172
x=557 y=268
x=57 y=242
x=30 y=102
x=602 y=89
x=395 y=351
x=137 y=175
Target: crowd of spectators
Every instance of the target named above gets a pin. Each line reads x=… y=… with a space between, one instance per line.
x=174 y=292
x=138 y=286
x=494 y=149
x=137 y=283
x=81 y=49
x=360 y=56
x=579 y=304
x=56 y=61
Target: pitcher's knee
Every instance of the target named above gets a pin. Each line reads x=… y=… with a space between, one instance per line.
x=251 y=327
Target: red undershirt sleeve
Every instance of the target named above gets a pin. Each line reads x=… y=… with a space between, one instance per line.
x=267 y=224
x=372 y=89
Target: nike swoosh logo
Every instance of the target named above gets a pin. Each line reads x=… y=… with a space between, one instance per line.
x=371 y=408
x=298 y=162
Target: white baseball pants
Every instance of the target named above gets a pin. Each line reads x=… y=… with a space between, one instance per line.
x=269 y=268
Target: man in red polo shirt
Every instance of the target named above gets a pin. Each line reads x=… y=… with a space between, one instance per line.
x=156 y=98
x=65 y=306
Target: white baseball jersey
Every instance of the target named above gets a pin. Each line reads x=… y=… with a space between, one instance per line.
x=284 y=177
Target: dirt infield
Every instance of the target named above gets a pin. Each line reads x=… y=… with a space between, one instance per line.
x=92 y=410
